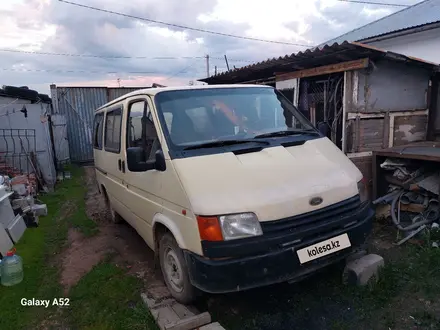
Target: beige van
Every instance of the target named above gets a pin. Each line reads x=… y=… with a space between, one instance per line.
x=230 y=185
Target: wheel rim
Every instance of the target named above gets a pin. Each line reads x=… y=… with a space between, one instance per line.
x=173 y=270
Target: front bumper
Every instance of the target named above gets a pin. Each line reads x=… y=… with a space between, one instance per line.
x=282 y=265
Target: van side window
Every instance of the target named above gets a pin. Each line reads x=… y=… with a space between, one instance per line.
x=141 y=131
x=113 y=130
x=97 y=131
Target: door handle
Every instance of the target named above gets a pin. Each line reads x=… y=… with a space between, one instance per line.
x=123 y=166
x=120 y=165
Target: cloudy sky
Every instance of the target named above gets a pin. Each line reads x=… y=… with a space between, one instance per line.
x=52 y=26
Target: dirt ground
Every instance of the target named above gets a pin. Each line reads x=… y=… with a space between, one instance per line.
x=120 y=241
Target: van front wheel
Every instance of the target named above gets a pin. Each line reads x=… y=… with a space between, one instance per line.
x=175 y=271
x=114 y=216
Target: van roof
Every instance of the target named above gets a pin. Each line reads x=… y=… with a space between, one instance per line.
x=154 y=91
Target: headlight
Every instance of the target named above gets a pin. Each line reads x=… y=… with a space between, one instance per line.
x=239 y=226
x=363 y=191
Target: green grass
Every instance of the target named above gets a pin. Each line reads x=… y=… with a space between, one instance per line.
x=80 y=221
x=400 y=285
x=415 y=272
x=426 y=319
x=105 y=298
x=37 y=247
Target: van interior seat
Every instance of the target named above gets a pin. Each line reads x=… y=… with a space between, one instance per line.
x=182 y=128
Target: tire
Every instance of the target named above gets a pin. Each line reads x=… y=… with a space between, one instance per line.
x=44 y=98
x=19 y=92
x=114 y=216
x=175 y=270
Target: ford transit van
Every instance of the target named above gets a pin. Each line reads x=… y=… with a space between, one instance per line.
x=230 y=185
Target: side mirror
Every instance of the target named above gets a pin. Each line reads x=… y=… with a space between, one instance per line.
x=323 y=128
x=135 y=161
x=160 y=164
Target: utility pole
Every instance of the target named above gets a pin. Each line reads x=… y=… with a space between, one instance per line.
x=227 y=64
x=207 y=66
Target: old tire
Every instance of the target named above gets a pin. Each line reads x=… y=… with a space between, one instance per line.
x=175 y=270
x=114 y=216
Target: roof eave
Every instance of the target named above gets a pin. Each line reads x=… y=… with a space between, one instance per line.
x=402 y=32
x=264 y=67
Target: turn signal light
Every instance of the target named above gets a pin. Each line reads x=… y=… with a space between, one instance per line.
x=209 y=229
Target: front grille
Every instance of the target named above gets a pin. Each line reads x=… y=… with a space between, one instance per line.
x=321 y=221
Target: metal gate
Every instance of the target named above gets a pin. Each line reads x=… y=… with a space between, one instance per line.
x=17 y=146
x=78 y=104
x=61 y=143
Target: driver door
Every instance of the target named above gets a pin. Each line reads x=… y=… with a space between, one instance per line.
x=143 y=189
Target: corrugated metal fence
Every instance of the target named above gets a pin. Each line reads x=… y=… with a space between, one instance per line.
x=77 y=104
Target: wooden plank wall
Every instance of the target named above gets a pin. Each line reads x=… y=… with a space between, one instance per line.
x=384 y=106
x=366 y=132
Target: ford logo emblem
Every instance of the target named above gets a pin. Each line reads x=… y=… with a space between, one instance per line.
x=315 y=201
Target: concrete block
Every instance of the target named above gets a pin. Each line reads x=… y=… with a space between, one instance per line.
x=182 y=311
x=189 y=323
x=159 y=292
x=356 y=255
x=170 y=315
x=212 y=326
x=164 y=316
x=361 y=270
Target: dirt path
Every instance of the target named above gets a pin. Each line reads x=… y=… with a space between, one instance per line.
x=127 y=249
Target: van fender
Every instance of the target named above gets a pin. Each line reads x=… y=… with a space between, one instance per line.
x=100 y=186
x=171 y=226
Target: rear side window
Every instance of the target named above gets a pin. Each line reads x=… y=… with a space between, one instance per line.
x=113 y=122
x=97 y=131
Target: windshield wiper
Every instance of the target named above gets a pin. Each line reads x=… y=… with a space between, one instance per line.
x=222 y=143
x=288 y=132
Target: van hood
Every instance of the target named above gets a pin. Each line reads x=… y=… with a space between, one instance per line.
x=274 y=183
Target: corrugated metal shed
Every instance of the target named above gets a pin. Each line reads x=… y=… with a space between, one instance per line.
x=114 y=93
x=336 y=53
x=77 y=104
x=420 y=14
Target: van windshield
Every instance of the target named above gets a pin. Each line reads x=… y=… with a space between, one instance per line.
x=197 y=116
